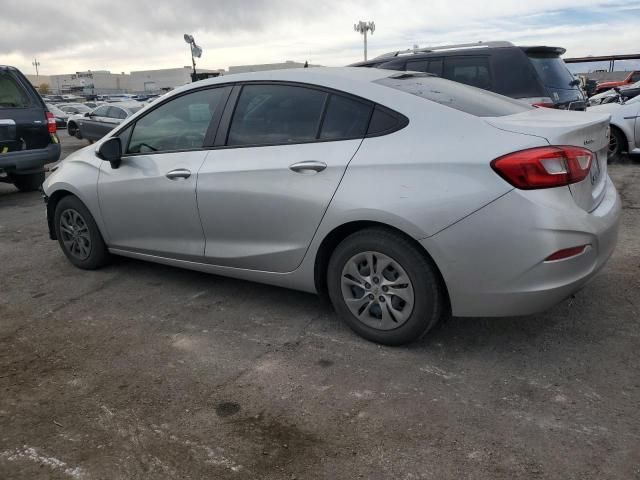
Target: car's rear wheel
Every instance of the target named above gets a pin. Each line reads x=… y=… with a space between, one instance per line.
x=28 y=183
x=384 y=287
x=71 y=129
x=78 y=234
x=78 y=134
x=616 y=144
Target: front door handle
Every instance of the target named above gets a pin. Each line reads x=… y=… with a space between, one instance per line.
x=310 y=166
x=178 y=173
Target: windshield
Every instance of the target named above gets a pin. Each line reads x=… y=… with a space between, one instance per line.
x=552 y=71
x=12 y=95
x=471 y=100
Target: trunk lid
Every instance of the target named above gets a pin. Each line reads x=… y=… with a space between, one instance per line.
x=579 y=129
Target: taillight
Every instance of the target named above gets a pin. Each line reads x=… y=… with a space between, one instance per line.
x=544 y=167
x=544 y=104
x=51 y=122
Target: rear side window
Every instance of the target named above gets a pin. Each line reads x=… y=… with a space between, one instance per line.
x=275 y=115
x=418 y=65
x=345 y=118
x=101 y=111
x=472 y=71
x=12 y=94
x=473 y=101
x=435 y=66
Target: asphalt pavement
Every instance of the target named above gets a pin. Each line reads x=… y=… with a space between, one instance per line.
x=146 y=371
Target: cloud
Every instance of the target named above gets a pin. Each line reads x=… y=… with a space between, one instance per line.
x=145 y=34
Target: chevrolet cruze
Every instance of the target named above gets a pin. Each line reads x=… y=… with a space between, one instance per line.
x=404 y=197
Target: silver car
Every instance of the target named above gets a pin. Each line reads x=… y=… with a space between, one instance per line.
x=404 y=197
x=95 y=124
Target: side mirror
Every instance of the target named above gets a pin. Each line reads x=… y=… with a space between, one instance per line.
x=111 y=151
x=88 y=114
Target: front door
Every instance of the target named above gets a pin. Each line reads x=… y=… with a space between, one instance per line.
x=262 y=195
x=149 y=203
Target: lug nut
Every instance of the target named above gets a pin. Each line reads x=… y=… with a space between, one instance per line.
x=385 y=288
x=371 y=297
x=381 y=298
x=376 y=280
x=367 y=285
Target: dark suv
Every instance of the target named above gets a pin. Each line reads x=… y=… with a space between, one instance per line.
x=28 y=139
x=536 y=75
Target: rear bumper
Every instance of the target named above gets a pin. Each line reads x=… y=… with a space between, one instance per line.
x=493 y=262
x=29 y=161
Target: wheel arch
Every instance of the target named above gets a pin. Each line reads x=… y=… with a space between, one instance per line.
x=52 y=203
x=339 y=233
x=625 y=138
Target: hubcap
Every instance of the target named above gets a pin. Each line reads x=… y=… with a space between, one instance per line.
x=75 y=234
x=377 y=290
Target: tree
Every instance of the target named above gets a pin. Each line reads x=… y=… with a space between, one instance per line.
x=43 y=88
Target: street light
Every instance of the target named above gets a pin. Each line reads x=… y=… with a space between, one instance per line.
x=363 y=28
x=196 y=51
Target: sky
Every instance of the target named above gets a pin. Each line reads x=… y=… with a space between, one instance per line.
x=120 y=36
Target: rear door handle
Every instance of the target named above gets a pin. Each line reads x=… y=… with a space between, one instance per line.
x=309 y=166
x=178 y=173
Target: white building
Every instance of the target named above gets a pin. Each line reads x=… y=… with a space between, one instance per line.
x=157 y=81
x=89 y=83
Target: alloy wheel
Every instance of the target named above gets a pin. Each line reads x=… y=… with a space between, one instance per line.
x=75 y=234
x=377 y=290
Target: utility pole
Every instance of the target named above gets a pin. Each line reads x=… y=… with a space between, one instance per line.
x=36 y=64
x=363 y=28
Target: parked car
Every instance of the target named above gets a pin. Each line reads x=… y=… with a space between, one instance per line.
x=28 y=139
x=536 y=75
x=60 y=116
x=616 y=94
x=97 y=123
x=633 y=77
x=94 y=104
x=401 y=195
x=74 y=108
x=625 y=125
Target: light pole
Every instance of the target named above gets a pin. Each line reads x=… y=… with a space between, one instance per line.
x=196 y=51
x=36 y=64
x=363 y=28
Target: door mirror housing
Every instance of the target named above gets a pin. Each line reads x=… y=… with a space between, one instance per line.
x=88 y=114
x=111 y=151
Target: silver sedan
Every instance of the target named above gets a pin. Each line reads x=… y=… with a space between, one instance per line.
x=403 y=197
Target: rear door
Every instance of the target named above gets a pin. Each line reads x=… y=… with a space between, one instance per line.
x=23 y=124
x=263 y=192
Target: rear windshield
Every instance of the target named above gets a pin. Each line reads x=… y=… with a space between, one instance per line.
x=552 y=70
x=471 y=100
x=12 y=95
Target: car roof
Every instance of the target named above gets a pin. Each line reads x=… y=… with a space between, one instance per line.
x=316 y=76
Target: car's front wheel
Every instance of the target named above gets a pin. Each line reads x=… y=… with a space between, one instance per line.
x=384 y=287
x=72 y=129
x=29 y=182
x=78 y=234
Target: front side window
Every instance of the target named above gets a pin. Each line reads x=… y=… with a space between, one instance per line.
x=275 y=115
x=116 y=112
x=101 y=111
x=179 y=124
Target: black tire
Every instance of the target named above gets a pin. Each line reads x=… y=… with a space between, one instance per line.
x=28 y=183
x=78 y=133
x=617 y=144
x=72 y=129
x=429 y=296
x=98 y=254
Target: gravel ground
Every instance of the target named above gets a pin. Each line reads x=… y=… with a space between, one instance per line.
x=146 y=371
